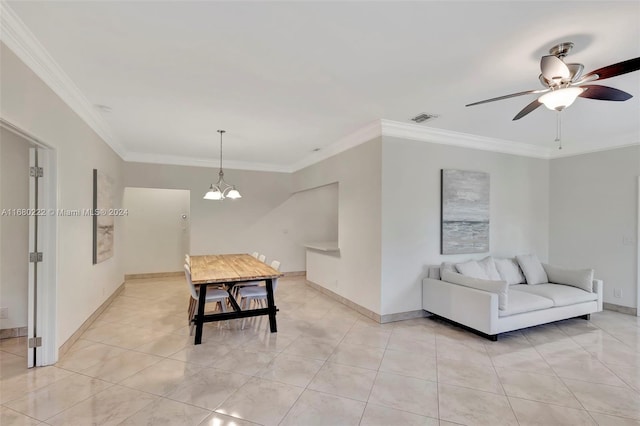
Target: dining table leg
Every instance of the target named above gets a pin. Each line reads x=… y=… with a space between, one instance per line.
x=271 y=305
x=202 y=297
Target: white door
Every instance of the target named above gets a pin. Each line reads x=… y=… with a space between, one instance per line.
x=35 y=256
x=42 y=237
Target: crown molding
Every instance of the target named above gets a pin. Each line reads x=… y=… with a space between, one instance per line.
x=426 y=134
x=175 y=160
x=17 y=37
x=465 y=140
x=360 y=136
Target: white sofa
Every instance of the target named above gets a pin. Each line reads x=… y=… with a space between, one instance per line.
x=493 y=306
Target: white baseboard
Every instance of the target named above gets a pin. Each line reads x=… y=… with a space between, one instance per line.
x=382 y=319
x=9 y=333
x=619 y=308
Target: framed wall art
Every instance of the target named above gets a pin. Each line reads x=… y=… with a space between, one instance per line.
x=464 y=218
x=103 y=222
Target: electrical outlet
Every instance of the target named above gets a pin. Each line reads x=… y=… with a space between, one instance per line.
x=627 y=241
x=4 y=313
x=617 y=292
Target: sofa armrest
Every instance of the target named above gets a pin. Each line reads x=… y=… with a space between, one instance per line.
x=474 y=308
x=598 y=288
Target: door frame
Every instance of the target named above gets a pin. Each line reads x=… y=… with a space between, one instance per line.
x=46 y=308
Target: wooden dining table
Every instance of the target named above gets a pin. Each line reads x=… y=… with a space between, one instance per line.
x=229 y=270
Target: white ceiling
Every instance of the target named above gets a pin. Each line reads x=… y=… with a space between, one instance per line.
x=284 y=78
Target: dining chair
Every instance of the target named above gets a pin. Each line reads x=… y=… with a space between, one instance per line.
x=214 y=295
x=257 y=293
x=234 y=290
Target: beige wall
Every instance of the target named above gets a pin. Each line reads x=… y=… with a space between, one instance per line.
x=358 y=173
x=519 y=211
x=27 y=103
x=14 y=245
x=155 y=235
x=269 y=218
x=594 y=208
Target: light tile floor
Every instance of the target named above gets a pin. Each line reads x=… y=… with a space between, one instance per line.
x=327 y=365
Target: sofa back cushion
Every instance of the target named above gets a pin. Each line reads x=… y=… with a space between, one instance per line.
x=532 y=269
x=499 y=287
x=484 y=269
x=471 y=269
x=581 y=278
x=509 y=271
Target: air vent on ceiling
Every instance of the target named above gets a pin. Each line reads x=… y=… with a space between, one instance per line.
x=421 y=118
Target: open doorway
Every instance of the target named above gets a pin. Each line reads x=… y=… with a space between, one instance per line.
x=28 y=246
x=156 y=230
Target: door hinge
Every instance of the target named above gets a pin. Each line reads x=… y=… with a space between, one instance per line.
x=35 y=257
x=36 y=172
x=35 y=342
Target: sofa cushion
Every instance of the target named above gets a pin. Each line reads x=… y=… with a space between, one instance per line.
x=498 y=287
x=532 y=269
x=489 y=267
x=561 y=295
x=521 y=302
x=471 y=269
x=581 y=278
x=484 y=269
x=509 y=271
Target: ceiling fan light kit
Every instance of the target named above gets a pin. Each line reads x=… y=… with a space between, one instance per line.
x=559 y=99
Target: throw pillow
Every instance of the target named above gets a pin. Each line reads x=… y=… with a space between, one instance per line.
x=472 y=269
x=532 y=269
x=501 y=288
x=489 y=267
x=581 y=278
x=509 y=271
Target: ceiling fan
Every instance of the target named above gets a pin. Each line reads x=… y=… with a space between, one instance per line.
x=563 y=83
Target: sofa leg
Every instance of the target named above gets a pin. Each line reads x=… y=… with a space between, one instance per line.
x=492 y=337
x=585 y=317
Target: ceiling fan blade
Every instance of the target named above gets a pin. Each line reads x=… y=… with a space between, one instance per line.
x=526 y=110
x=614 y=70
x=513 y=95
x=604 y=93
x=554 y=69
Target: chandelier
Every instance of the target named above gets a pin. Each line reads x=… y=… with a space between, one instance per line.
x=221 y=189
